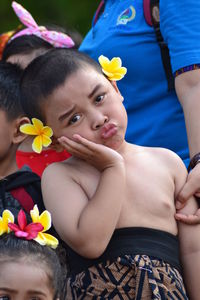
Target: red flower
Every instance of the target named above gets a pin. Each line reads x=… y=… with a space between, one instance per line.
x=22 y=230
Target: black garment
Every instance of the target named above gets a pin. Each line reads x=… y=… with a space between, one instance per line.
x=131 y=241
x=21 y=189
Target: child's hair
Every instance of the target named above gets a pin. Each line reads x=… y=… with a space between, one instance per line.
x=48 y=72
x=13 y=249
x=25 y=45
x=9 y=90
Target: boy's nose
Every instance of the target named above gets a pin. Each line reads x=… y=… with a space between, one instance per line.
x=100 y=121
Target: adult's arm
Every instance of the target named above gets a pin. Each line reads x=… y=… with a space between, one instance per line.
x=180 y=27
x=188 y=92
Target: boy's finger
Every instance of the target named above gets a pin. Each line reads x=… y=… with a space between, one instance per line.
x=74 y=147
x=85 y=142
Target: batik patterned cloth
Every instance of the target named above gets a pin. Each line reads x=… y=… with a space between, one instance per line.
x=138 y=277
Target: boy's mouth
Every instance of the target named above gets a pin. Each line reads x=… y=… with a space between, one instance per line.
x=108 y=130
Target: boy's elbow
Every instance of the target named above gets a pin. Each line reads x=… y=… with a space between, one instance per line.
x=91 y=249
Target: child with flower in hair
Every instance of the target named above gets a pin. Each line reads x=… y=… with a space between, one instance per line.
x=25 y=247
x=21 y=48
x=112 y=203
x=19 y=188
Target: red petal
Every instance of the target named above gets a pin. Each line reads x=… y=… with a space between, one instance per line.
x=34 y=227
x=13 y=227
x=22 y=219
x=32 y=235
x=21 y=234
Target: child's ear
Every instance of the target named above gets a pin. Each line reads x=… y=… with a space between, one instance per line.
x=18 y=136
x=114 y=84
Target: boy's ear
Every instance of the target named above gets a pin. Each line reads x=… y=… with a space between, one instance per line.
x=18 y=136
x=114 y=84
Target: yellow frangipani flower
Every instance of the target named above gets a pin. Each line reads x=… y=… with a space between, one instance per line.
x=45 y=220
x=43 y=134
x=112 y=68
x=7 y=217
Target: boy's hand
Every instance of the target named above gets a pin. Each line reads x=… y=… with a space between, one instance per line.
x=98 y=155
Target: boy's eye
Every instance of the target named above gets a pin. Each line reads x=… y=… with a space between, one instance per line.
x=99 y=98
x=73 y=120
x=4 y=298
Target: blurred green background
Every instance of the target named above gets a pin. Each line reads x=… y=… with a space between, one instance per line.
x=70 y=14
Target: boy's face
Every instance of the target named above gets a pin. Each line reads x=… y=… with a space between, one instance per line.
x=89 y=105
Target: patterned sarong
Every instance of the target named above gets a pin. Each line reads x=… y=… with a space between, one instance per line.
x=128 y=277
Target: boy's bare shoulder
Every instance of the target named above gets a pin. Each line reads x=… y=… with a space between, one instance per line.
x=162 y=157
x=73 y=168
x=168 y=158
x=165 y=155
x=67 y=168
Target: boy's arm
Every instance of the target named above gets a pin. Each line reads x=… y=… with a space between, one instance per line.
x=86 y=224
x=189 y=237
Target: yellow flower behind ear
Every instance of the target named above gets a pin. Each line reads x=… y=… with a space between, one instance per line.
x=44 y=219
x=43 y=134
x=112 y=68
x=7 y=217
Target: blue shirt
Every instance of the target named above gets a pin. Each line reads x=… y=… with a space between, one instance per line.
x=155 y=116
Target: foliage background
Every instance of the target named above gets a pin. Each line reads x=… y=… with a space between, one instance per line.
x=70 y=14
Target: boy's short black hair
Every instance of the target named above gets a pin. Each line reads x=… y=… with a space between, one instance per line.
x=10 y=75
x=48 y=72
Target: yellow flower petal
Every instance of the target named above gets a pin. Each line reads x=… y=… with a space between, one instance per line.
x=46 y=141
x=51 y=240
x=28 y=129
x=112 y=69
x=38 y=125
x=7 y=217
x=41 y=239
x=37 y=144
x=47 y=131
x=45 y=220
x=116 y=76
x=35 y=214
x=104 y=61
x=115 y=64
x=46 y=239
x=2 y=226
x=108 y=74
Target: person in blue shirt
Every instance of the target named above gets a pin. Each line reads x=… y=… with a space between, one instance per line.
x=157 y=117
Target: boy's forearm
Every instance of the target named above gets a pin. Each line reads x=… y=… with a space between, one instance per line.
x=99 y=218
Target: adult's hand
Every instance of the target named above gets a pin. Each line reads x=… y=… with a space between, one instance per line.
x=187 y=87
x=191 y=188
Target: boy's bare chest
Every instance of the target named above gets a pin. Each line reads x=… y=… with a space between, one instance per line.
x=144 y=183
